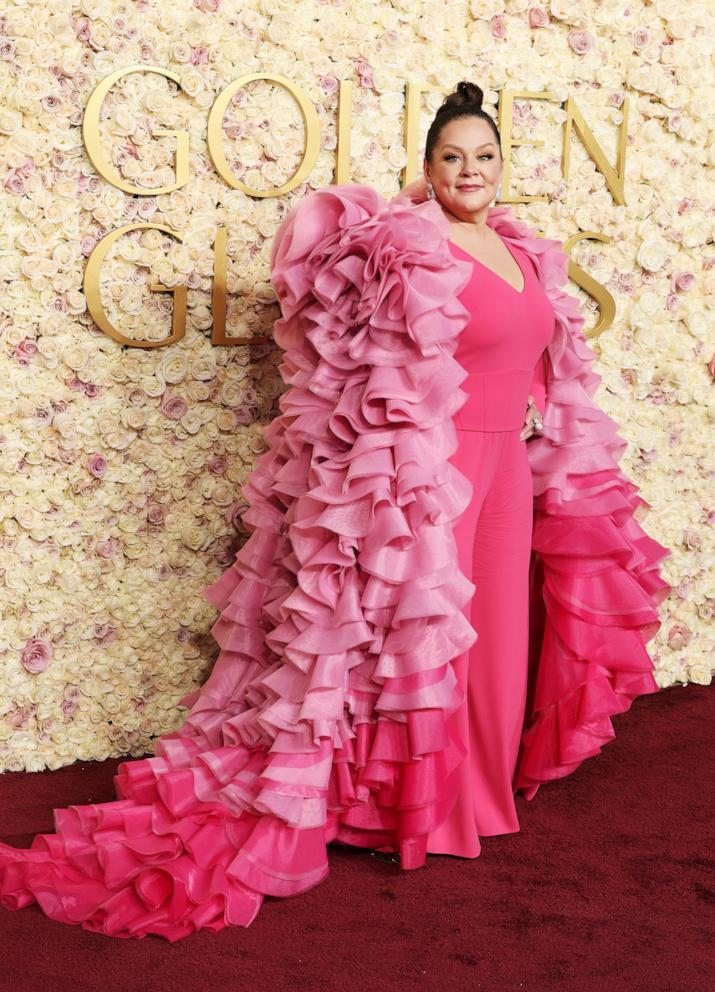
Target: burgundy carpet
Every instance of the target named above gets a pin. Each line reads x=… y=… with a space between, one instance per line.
x=608 y=886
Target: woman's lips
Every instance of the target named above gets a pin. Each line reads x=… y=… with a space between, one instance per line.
x=470 y=188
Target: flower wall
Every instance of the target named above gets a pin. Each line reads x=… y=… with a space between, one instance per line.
x=121 y=467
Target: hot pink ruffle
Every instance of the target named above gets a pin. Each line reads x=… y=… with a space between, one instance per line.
x=325 y=715
x=595 y=579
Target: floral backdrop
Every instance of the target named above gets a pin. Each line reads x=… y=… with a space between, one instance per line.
x=120 y=467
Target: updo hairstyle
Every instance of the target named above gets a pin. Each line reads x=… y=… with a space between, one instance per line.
x=465 y=101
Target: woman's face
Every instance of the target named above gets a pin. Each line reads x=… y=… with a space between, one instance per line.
x=466 y=167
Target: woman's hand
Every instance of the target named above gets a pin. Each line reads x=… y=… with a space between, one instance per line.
x=533 y=420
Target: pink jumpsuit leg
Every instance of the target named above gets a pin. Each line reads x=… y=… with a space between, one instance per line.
x=493 y=537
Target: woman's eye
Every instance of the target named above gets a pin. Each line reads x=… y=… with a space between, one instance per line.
x=484 y=155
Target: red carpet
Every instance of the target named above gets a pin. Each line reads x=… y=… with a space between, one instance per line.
x=609 y=886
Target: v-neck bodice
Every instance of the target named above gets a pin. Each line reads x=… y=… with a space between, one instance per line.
x=502 y=342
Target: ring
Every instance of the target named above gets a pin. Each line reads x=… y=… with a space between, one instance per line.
x=537 y=425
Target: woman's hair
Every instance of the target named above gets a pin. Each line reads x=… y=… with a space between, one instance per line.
x=465 y=101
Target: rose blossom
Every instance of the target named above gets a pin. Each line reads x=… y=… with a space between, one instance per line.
x=683 y=281
x=217 y=465
x=498 y=26
x=15 y=182
x=580 y=41
x=36 y=655
x=679 y=636
x=174 y=407
x=538 y=18
x=24 y=351
x=108 y=547
x=97 y=465
x=328 y=83
x=155 y=515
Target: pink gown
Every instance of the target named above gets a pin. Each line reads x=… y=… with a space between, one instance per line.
x=501 y=348
x=325 y=717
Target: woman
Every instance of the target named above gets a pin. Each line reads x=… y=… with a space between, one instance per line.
x=351 y=701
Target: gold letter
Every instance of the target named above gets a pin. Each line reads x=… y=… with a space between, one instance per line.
x=94 y=303
x=219 y=296
x=614 y=177
x=90 y=135
x=215 y=140
x=505 y=122
x=413 y=100
x=606 y=303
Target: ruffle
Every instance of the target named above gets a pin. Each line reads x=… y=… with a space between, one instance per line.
x=325 y=716
x=595 y=573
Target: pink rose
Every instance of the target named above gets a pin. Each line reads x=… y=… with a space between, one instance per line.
x=364 y=71
x=672 y=302
x=104 y=634
x=155 y=515
x=243 y=414
x=684 y=281
x=328 y=84
x=83 y=28
x=581 y=41
x=199 y=55
x=692 y=538
x=108 y=547
x=174 y=407
x=68 y=707
x=15 y=182
x=640 y=38
x=97 y=465
x=87 y=243
x=234 y=515
x=498 y=26
x=711 y=367
x=538 y=18
x=24 y=351
x=217 y=465
x=679 y=636
x=91 y=389
x=36 y=655
x=208 y=6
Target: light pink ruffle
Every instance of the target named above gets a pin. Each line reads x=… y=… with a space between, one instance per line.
x=325 y=715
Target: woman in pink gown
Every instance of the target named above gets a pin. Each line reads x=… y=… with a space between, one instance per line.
x=372 y=685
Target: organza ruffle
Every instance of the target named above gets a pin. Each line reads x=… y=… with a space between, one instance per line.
x=325 y=715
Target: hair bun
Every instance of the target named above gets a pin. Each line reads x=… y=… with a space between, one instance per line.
x=466 y=94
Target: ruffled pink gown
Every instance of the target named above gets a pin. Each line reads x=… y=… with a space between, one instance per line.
x=327 y=715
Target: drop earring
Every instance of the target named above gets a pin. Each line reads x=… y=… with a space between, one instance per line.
x=430 y=190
